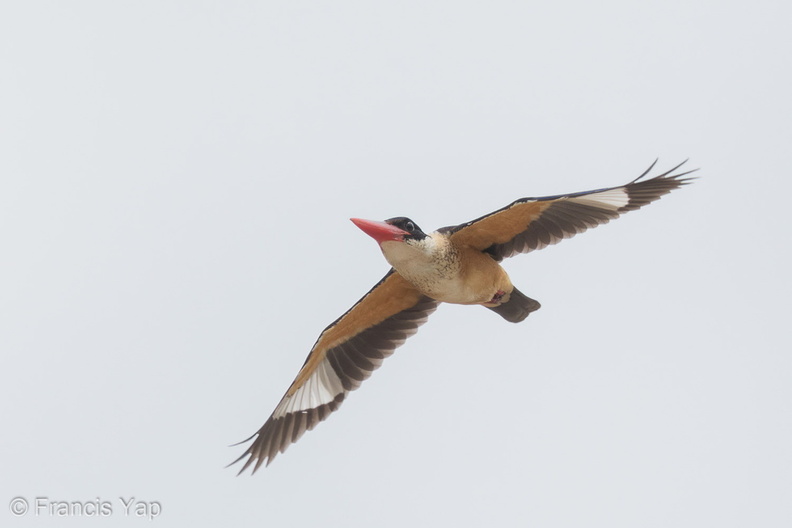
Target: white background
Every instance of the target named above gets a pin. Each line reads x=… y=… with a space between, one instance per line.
x=176 y=182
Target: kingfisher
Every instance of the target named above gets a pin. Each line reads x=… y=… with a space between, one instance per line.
x=459 y=264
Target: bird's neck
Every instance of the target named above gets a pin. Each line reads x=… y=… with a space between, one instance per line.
x=424 y=263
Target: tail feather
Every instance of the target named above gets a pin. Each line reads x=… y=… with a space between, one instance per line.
x=517 y=307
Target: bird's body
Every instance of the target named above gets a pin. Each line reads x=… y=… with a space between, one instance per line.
x=445 y=271
x=458 y=265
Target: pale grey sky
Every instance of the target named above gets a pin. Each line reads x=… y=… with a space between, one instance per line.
x=177 y=179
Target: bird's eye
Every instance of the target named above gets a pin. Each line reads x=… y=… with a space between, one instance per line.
x=410 y=226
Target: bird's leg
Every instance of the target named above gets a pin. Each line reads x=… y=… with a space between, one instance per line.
x=496 y=299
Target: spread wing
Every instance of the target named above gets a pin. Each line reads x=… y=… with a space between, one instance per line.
x=346 y=353
x=534 y=223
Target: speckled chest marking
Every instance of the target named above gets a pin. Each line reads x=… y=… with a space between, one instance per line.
x=438 y=269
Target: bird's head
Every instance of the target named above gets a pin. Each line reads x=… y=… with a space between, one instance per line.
x=399 y=238
x=399 y=229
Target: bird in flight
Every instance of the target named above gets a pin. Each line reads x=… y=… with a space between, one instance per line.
x=459 y=265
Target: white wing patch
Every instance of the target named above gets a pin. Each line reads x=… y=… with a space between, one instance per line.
x=613 y=199
x=319 y=389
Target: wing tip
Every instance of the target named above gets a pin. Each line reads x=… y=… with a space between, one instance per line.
x=643 y=192
x=277 y=434
x=667 y=175
x=256 y=457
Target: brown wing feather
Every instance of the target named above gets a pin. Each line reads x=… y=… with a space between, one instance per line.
x=346 y=354
x=533 y=223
